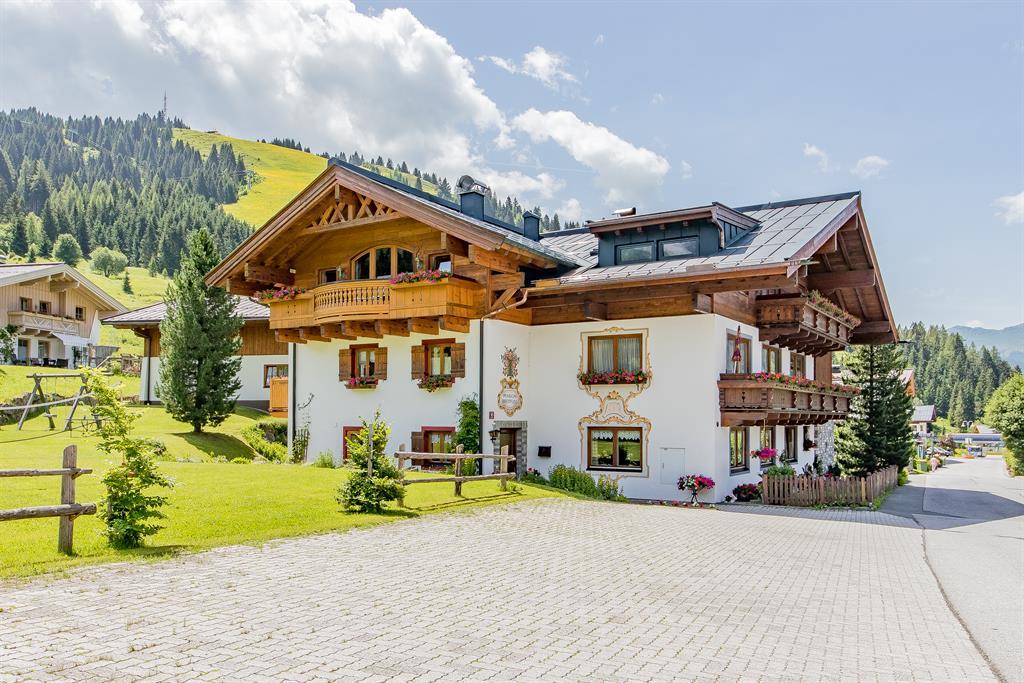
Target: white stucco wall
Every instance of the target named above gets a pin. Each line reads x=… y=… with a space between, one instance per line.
x=687 y=354
x=250 y=374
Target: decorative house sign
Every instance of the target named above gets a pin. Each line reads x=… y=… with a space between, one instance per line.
x=510 y=399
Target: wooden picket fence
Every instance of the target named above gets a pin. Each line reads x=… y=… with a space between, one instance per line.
x=803 y=490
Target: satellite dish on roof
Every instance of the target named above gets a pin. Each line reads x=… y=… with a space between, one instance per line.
x=468 y=184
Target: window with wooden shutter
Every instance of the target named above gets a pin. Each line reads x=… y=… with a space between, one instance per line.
x=458 y=360
x=418 y=363
x=417 y=442
x=344 y=365
x=381 y=369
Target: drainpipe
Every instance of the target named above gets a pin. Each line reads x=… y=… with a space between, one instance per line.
x=480 y=394
x=147 y=349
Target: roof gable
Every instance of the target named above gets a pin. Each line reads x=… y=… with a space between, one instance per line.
x=20 y=273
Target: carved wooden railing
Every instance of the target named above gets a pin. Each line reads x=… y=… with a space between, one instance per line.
x=800 y=324
x=748 y=402
x=45 y=322
x=375 y=299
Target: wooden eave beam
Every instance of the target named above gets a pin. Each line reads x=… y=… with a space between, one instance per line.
x=849 y=279
x=595 y=310
x=361 y=329
x=312 y=334
x=423 y=325
x=492 y=260
x=255 y=272
x=453 y=245
x=289 y=335
x=241 y=286
x=453 y=323
x=394 y=328
x=503 y=281
x=335 y=331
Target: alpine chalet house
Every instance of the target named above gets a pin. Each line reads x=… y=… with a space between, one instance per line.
x=629 y=348
x=55 y=312
x=264 y=358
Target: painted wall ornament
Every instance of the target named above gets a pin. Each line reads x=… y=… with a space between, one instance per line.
x=510 y=399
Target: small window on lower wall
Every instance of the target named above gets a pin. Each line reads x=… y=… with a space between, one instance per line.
x=739 y=455
x=798 y=365
x=272 y=371
x=615 y=448
x=792 y=445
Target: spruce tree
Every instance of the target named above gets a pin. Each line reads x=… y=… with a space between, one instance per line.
x=199 y=341
x=877 y=433
x=19 y=241
x=126 y=284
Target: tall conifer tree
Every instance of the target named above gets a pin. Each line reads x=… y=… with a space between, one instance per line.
x=199 y=341
x=877 y=433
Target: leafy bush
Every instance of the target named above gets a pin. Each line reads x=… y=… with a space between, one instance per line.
x=275 y=429
x=128 y=511
x=533 y=476
x=468 y=433
x=67 y=249
x=255 y=437
x=240 y=461
x=747 y=492
x=902 y=478
x=324 y=459
x=779 y=471
x=364 y=491
x=572 y=479
x=467 y=468
x=108 y=261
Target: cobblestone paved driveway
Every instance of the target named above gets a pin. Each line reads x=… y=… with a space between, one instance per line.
x=552 y=590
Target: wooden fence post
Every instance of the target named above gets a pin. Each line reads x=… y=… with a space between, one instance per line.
x=66 y=528
x=459 y=450
x=503 y=468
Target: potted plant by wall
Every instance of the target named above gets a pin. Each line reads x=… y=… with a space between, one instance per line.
x=695 y=484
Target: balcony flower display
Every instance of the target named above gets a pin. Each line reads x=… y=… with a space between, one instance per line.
x=279 y=294
x=695 y=484
x=824 y=303
x=613 y=377
x=420 y=276
x=795 y=381
x=362 y=382
x=434 y=382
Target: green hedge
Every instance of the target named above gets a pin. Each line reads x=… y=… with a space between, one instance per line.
x=255 y=436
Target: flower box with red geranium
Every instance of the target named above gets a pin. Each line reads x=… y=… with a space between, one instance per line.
x=430 y=276
x=279 y=294
x=695 y=484
x=362 y=383
x=434 y=382
x=638 y=377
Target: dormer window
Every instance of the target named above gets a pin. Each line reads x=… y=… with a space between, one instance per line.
x=678 y=248
x=634 y=253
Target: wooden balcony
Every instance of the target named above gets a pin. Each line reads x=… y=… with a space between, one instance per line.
x=747 y=402
x=45 y=323
x=376 y=300
x=801 y=325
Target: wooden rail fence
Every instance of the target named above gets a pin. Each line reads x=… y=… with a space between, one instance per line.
x=802 y=490
x=68 y=508
x=502 y=475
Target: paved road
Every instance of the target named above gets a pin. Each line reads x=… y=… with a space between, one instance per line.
x=973 y=516
x=540 y=591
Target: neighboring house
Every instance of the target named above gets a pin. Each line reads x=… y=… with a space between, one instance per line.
x=627 y=348
x=909 y=378
x=922 y=419
x=56 y=311
x=263 y=357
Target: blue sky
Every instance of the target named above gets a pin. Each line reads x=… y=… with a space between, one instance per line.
x=585 y=108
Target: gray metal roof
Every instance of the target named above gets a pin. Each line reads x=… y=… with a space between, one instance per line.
x=923 y=414
x=245 y=308
x=784 y=228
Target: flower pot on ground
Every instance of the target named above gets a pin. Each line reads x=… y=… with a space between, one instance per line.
x=747 y=492
x=695 y=484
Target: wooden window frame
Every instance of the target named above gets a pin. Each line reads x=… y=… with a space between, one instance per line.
x=614 y=467
x=448 y=432
x=744 y=450
x=661 y=247
x=794 y=454
x=615 y=349
x=80 y=313
x=433 y=259
x=320 y=279
x=353 y=357
x=24 y=304
x=651 y=244
x=427 y=344
x=793 y=356
x=767 y=353
x=770 y=433
x=372 y=251
x=48 y=305
x=745 y=343
x=266 y=378
x=345 y=432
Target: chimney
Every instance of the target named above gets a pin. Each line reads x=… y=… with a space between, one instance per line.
x=531 y=225
x=472 y=203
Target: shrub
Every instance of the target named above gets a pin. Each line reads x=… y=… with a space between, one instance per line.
x=66 y=249
x=275 y=429
x=255 y=437
x=533 y=476
x=467 y=468
x=608 y=488
x=468 y=433
x=324 y=459
x=128 y=510
x=572 y=479
x=158 y=448
x=747 y=492
x=239 y=461
x=364 y=491
x=902 y=478
x=108 y=261
x=779 y=471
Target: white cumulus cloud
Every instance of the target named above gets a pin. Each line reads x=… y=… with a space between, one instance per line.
x=818 y=154
x=624 y=171
x=685 y=169
x=547 y=67
x=570 y=210
x=1011 y=208
x=869 y=166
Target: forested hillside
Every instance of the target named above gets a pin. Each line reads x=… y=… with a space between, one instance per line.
x=123 y=184
x=958 y=378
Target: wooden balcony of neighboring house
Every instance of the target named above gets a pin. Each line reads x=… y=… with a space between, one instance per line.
x=375 y=300
x=34 y=323
x=278 y=406
x=747 y=401
x=804 y=324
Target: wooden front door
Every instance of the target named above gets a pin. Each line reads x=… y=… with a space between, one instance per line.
x=509 y=437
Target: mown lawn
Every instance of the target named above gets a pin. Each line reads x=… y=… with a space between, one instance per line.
x=282 y=173
x=15 y=381
x=212 y=504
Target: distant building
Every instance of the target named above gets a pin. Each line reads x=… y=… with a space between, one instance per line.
x=922 y=419
x=909 y=378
